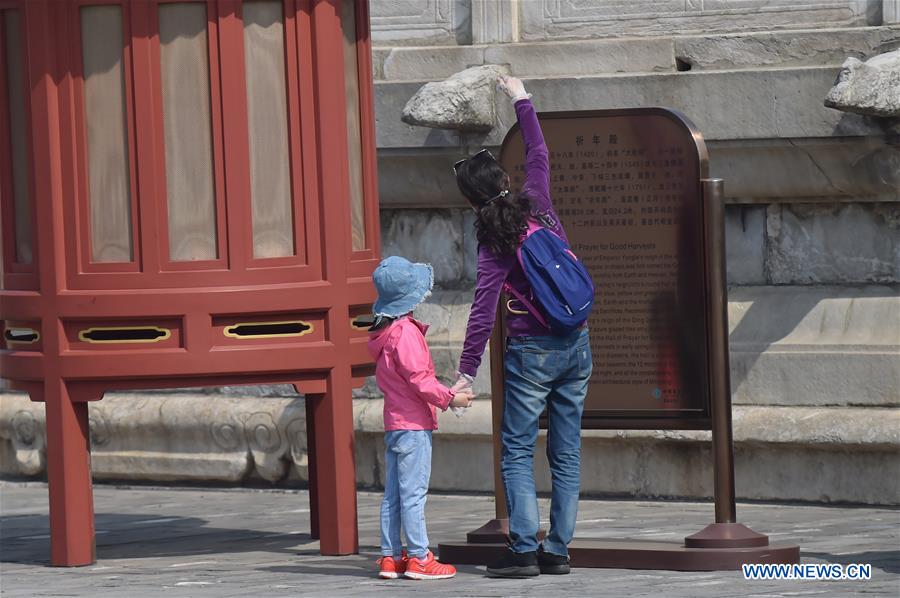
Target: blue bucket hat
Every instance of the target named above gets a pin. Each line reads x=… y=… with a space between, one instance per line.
x=401 y=285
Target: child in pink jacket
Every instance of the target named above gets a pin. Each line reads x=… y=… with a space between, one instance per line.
x=405 y=374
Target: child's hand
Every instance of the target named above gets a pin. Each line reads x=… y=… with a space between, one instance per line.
x=462 y=399
x=512 y=86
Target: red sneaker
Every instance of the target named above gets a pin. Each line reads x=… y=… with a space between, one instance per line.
x=392 y=568
x=428 y=568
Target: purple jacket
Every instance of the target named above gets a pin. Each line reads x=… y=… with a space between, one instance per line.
x=495 y=269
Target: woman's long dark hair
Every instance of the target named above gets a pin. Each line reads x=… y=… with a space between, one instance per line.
x=500 y=217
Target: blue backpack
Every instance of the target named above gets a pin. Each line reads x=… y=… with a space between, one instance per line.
x=560 y=284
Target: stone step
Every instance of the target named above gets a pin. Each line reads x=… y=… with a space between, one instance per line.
x=790 y=345
x=808 y=345
x=859 y=169
x=809 y=47
x=781 y=453
x=747 y=104
x=823 y=454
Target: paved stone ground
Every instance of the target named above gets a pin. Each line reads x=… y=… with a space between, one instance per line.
x=240 y=542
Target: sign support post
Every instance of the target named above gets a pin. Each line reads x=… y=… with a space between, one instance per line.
x=725 y=532
x=497 y=529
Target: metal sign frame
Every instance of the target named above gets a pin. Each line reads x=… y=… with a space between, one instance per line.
x=724 y=544
x=636 y=122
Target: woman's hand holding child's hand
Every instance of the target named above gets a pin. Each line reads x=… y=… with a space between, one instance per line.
x=463 y=386
x=463 y=398
x=463 y=382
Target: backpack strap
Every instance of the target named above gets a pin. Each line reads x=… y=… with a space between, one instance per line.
x=533 y=227
x=528 y=304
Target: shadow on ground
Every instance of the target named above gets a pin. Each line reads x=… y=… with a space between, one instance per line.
x=26 y=538
x=340 y=567
x=886 y=560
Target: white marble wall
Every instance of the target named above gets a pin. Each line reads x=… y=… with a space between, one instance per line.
x=891 y=11
x=463 y=22
x=421 y=22
x=557 y=19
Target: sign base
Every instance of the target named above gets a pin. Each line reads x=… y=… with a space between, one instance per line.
x=495 y=531
x=635 y=554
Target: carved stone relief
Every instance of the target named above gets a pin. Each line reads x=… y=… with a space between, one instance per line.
x=421 y=22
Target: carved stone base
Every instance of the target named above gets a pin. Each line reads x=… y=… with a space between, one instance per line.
x=195 y=438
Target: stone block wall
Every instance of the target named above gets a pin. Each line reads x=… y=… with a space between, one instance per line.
x=813 y=242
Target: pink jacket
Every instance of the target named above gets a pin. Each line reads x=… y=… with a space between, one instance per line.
x=405 y=374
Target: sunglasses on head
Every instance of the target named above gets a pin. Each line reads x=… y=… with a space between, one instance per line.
x=480 y=155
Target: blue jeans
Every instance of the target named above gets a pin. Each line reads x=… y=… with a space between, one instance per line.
x=407 y=458
x=544 y=372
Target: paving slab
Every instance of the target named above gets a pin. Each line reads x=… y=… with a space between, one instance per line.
x=178 y=541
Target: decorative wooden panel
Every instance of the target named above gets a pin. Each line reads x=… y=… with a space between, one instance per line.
x=270 y=173
x=190 y=189
x=102 y=46
x=354 y=131
x=18 y=146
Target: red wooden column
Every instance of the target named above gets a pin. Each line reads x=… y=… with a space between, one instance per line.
x=68 y=435
x=334 y=470
x=335 y=467
x=69 y=475
x=311 y=473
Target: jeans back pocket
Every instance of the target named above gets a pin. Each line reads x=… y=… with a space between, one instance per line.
x=585 y=360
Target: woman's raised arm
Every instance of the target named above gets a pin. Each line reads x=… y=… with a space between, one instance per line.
x=537 y=158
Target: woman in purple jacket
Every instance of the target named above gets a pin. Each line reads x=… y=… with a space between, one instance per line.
x=542 y=370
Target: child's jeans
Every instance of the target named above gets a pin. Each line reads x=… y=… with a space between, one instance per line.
x=407 y=459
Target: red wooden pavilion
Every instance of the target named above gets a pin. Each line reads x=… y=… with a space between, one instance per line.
x=188 y=198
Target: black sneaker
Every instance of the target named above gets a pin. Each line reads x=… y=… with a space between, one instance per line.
x=552 y=564
x=515 y=564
